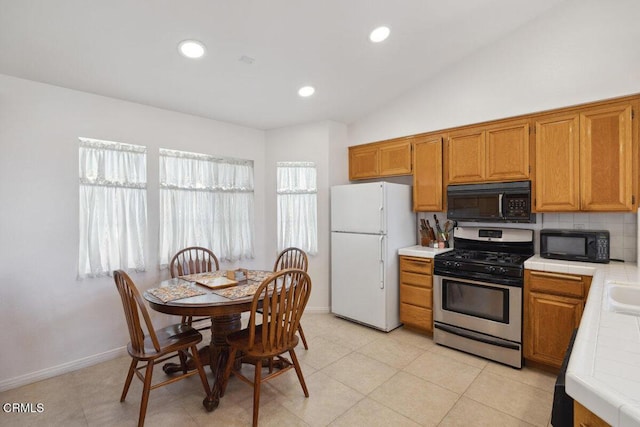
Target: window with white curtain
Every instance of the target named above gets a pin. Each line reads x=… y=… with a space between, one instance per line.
x=297 y=206
x=113 y=207
x=205 y=201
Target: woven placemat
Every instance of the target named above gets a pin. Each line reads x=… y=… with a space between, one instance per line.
x=176 y=292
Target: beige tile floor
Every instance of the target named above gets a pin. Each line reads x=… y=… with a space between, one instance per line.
x=356 y=377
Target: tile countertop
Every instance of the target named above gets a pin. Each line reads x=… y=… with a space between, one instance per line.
x=604 y=369
x=421 y=251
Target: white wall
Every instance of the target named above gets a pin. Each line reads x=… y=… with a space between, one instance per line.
x=52 y=322
x=323 y=143
x=581 y=51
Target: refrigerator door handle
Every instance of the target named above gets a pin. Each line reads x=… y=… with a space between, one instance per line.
x=382 y=202
x=381 y=262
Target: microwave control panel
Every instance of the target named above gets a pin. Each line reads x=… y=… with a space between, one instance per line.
x=517 y=206
x=602 y=247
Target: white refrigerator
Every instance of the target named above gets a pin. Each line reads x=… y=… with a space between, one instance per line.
x=369 y=223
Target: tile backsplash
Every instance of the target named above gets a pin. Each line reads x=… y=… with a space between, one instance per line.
x=623 y=228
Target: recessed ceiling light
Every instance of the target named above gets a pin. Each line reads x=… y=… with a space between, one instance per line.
x=191 y=49
x=306 y=91
x=379 y=34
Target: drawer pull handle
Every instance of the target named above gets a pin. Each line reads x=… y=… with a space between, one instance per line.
x=557 y=276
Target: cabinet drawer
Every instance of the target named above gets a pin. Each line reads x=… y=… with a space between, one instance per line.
x=558 y=283
x=417 y=317
x=416 y=265
x=420 y=297
x=415 y=279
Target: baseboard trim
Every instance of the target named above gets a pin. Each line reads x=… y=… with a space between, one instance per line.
x=61 y=369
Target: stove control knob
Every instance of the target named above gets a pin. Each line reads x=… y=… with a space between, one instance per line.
x=457 y=264
x=447 y=263
x=490 y=268
x=502 y=270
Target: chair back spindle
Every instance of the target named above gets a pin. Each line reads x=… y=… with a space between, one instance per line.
x=292 y=258
x=193 y=260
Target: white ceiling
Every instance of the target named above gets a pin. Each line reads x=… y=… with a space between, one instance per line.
x=127 y=49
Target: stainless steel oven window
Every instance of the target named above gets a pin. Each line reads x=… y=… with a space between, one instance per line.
x=486 y=302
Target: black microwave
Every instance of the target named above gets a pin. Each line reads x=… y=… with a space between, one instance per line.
x=575 y=245
x=492 y=202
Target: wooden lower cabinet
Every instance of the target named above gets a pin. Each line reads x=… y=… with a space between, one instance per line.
x=553 y=305
x=416 y=293
x=582 y=417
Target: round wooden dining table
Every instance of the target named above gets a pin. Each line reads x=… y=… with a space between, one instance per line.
x=225 y=313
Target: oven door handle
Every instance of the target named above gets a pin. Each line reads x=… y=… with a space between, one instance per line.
x=476 y=337
x=500 y=197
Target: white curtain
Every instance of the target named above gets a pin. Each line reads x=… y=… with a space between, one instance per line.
x=205 y=201
x=297 y=206
x=113 y=207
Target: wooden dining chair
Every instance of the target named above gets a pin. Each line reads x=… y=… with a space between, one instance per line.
x=155 y=346
x=283 y=297
x=192 y=260
x=293 y=258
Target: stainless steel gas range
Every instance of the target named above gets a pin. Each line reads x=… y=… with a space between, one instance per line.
x=477 y=292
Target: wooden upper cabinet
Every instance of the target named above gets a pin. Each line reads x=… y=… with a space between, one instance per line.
x=498 y=153
x=586 y=160
x=386 y=158
x=427 y=174
x=363 y=162
x=507 y=153
x=606 y=160
x=395 y=158
x=557 y=186
x=466 y=156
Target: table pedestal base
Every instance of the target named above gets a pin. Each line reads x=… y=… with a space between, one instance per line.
x=221 y=326
x=215 y=355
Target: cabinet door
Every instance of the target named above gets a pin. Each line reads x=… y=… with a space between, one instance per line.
x=557 y=164
x=606 y=159
x=363 y=162
x=507 y=153
x=395 y=158
x=549 y=323
x=582 y=417
x=427 y=174
x=466 y=157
